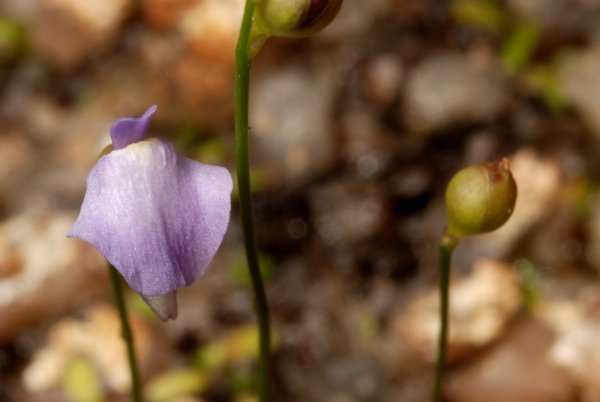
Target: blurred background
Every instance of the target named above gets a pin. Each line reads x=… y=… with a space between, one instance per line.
x=355 y=133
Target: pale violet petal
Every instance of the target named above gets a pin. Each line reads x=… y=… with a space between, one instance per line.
x=157 y=217
x=164 y=306
x=130 y=130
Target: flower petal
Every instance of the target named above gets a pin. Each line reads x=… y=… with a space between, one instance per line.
x=164 y=306
x=130 y=130
x=157 y=217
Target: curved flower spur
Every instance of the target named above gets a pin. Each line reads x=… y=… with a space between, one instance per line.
x=158 y=217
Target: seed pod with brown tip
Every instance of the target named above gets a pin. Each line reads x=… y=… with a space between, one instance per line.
x=480 y=198
x=294 y=18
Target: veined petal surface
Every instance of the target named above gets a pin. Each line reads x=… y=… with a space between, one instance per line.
x=159 y=218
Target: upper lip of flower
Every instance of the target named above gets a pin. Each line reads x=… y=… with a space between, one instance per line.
x=130 y=130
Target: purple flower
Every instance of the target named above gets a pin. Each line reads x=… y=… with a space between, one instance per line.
x=159 y=218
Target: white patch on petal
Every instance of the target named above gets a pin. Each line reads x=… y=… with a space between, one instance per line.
x=164 y=306
x=141 y=151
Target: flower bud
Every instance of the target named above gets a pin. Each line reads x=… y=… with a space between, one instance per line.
x=480 y=199
x=294 y=18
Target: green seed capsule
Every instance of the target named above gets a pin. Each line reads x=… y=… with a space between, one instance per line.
x=294 y=18
x=480 y=199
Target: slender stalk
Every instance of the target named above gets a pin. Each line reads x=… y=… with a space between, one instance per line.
x=242 y=86
x=445 y=247
x=136 y=390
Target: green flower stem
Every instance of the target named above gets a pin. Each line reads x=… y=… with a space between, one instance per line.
x=446 y=246
x=242 y=85
x=136 y=390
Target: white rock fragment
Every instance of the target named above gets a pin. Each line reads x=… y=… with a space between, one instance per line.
x=560 y=315
x=17 y=157
x=516 y=369
x=98 y=338
x=346 y=212
x=450 y=89
x=559 y=17
x=576 y=350
x=164 y=14
x=213 y=25
x=66 y=32
x=581 y=83
x=481 y=306
x=384 y=77
x=291 y=122
x=46 y=273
